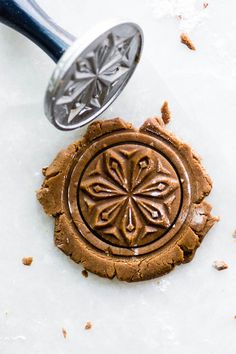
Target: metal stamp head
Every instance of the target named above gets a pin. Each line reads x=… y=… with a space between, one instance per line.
x=91 y=74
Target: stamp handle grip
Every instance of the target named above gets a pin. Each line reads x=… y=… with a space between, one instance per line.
x=27 y=18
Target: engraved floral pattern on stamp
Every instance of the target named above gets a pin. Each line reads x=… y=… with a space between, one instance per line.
x=95 y=77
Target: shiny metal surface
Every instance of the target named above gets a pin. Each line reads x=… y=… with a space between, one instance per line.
x=91 y=74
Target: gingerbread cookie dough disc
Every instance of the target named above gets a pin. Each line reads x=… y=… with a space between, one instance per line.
x=128 y=203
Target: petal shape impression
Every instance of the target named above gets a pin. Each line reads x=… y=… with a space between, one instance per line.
x=130 y=224
x=116 y=169
x=159 y=186
x=99 y=188
x=105 y=213
x=155 y=213
x=143 y=165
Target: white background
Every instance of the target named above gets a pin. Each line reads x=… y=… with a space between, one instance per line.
x=190 y=310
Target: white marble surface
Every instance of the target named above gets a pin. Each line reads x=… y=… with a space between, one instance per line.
x=190 y=310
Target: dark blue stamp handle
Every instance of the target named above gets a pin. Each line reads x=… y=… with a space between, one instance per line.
x=26 y=17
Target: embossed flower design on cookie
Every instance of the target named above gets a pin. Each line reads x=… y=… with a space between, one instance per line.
x=130 y=195
x=125 y=200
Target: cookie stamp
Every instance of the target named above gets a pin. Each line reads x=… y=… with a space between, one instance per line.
x=128 y=203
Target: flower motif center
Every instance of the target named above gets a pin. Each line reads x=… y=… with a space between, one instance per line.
x=129 y=195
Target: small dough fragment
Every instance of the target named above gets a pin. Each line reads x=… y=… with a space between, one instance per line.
x=165 y=113
x=220 y=265
x=85 y=273
x=88 y=326
x=187 y=41
x=27 y=261
x=64 y=332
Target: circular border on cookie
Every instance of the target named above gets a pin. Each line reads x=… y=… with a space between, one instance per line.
x=80 y=165
x=129 y=195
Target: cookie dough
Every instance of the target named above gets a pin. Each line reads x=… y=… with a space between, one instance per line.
x=187 y=41
x=128 y=203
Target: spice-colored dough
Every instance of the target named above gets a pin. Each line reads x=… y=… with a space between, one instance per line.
x=128 y=203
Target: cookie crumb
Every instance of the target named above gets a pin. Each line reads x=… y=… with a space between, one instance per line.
x=27 y=261
x=205 y=5
x=44 y=170
x=187 y=41
x=220 y=265
x=234 y=234
x=235 y=317
x=64 y=332
x=165 y=113
x=85 y=273
x=88 y=326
